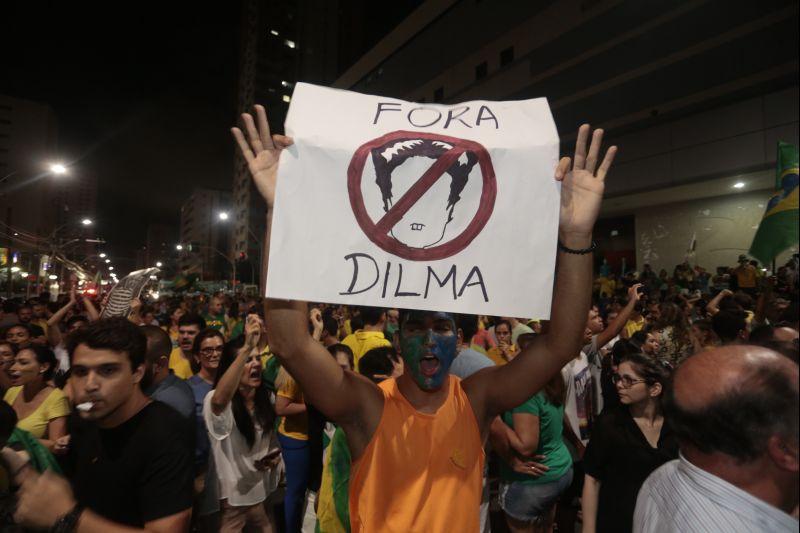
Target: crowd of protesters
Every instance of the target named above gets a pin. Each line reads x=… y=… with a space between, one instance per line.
x=668 y=403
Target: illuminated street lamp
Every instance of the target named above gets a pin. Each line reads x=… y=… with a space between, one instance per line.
x=102 y=256
x=58 y=169
x=159 y=264
x=108 y=261
x=179 y=247
x=223 y=215
x=87 y=222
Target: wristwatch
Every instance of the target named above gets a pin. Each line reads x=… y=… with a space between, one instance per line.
x=69 y=522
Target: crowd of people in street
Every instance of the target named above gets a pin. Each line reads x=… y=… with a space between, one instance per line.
x=649 y=402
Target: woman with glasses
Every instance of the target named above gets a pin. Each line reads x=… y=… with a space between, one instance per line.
x=627 y=444
x=239 y=418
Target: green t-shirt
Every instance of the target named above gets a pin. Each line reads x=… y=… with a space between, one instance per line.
x=551 y=444
x=216 y=322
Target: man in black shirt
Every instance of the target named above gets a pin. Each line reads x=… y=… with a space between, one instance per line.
x=129 y=460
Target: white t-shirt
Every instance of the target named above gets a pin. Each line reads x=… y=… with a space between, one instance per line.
x=239 y=480
x=578 y=407
x=62 y=356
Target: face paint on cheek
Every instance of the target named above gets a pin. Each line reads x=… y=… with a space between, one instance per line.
x=414 y=350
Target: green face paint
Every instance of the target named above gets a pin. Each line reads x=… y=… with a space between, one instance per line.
x=428 y=344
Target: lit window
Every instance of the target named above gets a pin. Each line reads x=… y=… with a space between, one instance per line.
x=290 y=44
x=287 y=98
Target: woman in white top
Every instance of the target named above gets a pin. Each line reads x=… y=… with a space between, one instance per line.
x=239 y=417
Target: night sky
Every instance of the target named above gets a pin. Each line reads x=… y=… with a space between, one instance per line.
x=144 y=94
x=143 y=98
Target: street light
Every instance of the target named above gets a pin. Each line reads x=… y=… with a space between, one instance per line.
x=223 y=215
x=179 y=247
x=102 y=256
x=108 y=261
x=86 y=221
x=111 y=268
x=159 y=264
x=58 y=169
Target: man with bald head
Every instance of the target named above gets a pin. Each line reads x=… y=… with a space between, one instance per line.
x=735 y=412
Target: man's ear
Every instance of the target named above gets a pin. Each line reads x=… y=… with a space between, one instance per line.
x=783 y=453
x=138 y=374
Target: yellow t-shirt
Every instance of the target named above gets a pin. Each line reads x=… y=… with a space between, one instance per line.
x=295 y=426
x=54 y=406
x=746 y=276
x=496 y=355
x=363 y=341
x=607 y=286
x=179 y=365
x=632 y=326
x=265 y=356
x=42 y=323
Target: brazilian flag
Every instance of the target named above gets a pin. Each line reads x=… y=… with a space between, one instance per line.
x=779 y=227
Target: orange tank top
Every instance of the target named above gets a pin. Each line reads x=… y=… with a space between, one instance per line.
x=420 y=472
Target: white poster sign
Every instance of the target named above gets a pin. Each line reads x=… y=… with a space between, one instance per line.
x=419 y=206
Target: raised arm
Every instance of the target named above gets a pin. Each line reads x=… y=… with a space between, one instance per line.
x=229 y=382
x=502 y=388
x=91 y=311
x=343 y=397
x=712 y=308
x=53 y=330
x=616 y=325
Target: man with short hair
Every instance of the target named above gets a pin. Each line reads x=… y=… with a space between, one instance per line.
x=468 y=361
x=330 y=330
x=371 y=336
x=734 y=410
x=40 y=314
x=417 y=441
x=129 y=461
x=25 y=317
x=216 y=317
x=159 y=382
x=730 y=325
x=180 y=359
x=746 y=276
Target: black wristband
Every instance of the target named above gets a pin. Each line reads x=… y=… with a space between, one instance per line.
x=69 y=522
x=582 y=251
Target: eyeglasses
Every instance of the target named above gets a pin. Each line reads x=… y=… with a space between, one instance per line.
x=626 y=381
x=211 y=351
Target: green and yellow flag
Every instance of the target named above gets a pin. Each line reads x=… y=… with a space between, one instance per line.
x=779 y=227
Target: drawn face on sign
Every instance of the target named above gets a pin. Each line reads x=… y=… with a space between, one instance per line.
x=421 y=196
x=399 y=164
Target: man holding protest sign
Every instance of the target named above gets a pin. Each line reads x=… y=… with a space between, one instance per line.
x=417 y=441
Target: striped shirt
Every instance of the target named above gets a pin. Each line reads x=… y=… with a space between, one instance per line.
x=680 y=497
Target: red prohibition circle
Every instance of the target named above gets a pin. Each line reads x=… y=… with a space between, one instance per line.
x=378 y=233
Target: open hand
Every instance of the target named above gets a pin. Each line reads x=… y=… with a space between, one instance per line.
x=261 y=151
x=582 y=186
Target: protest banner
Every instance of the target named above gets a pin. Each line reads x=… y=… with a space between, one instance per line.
x=419 y=206
x=128 y=288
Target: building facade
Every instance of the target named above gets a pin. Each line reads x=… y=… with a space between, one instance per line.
x=695 y=93
x=203 y=236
